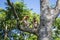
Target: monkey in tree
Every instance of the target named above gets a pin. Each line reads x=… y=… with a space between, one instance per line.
x=35 y=22
x=24 y=21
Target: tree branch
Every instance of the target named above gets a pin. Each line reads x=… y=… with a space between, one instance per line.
x=58 y=4
x=57 y=8
x=55 y=12
x=12 y=7
x=25 y=29
x=30 y=30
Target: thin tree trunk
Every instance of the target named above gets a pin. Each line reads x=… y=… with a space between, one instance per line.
x=5 y=37
x=6 y=34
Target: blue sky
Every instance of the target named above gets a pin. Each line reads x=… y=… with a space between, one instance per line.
x=31 y=4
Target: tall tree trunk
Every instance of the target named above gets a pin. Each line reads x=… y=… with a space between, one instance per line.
x=45 y=29
x=47 y=18
x=46 y=21
x=45 y=26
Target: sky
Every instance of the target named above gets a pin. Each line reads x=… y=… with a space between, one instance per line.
x=31 y=4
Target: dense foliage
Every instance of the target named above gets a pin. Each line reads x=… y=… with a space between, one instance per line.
x=7 y=19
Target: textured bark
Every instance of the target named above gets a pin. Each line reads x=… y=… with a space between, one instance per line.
x=47 y=18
